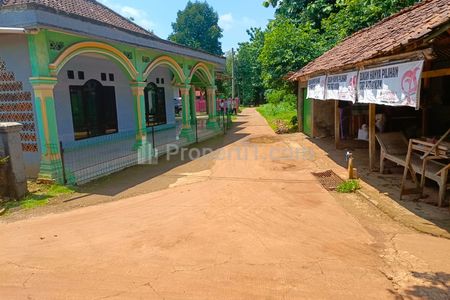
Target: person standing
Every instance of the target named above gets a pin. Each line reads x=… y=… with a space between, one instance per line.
x=233 y=107
x=228 y=105
x=222 y=106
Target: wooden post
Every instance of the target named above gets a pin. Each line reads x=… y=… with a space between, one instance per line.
x=313 y=125
x=372 y=148
x=300 y=106
x=426 y=84
x=337 y=124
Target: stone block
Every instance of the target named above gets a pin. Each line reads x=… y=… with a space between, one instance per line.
x=16 y=180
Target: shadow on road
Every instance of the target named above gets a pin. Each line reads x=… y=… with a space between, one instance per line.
x=437 y=286
x=387 y=184
x=119 y=182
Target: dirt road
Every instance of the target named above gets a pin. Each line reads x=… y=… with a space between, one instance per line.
x=247 y=221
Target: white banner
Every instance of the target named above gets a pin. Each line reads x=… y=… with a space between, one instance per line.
x=342 y=86
x=394 y=85
x=316 y=88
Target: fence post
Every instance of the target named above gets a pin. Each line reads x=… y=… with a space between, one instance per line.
x=196 y=130
x=61 y=150
x=223 y=122
x=153 y=140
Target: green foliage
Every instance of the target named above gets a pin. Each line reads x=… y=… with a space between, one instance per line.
x=301 y=31
x=224 y=86
x=281 y=96
x=287 y=47
x=349 y=186
x=281 y=112
x=248 y=69
x=303 y=11
x=349 y=16
x=197 y=27
x=294 y=120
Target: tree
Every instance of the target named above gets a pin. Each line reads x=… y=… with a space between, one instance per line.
x=350 y=16
x=312 y=11
x=248 y=68
x=197 y=27
x=224 y=85
x=288 y=47
x=304 y=29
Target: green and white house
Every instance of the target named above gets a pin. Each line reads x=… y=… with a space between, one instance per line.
x=82 y=78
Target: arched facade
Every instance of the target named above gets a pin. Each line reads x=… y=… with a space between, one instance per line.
x=168 y=62
x=133 y=68
x=96 y=48
x=202 y=71
x=205 y=81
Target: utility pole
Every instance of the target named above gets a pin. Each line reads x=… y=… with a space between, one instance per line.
x=233 y=91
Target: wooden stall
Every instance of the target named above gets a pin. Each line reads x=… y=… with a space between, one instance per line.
x=402 y=67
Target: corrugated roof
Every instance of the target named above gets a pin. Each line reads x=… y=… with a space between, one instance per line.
x=89 y=9
x=388 y=35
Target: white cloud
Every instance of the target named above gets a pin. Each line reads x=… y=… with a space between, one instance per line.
x=138 y=16
x=226 y=21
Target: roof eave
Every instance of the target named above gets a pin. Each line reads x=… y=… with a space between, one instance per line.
x=425 y=54
x=214 y=59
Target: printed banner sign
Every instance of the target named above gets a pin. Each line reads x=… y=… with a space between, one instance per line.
x=394 y=85
x=342 y=86
x=316 y=88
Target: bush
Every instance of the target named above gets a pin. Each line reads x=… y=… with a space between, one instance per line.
x=274 y=96
x=279 y=116
x=280 y=96
x=290 y=98
x=349 y=186
x=278 y=109
x=294 y=120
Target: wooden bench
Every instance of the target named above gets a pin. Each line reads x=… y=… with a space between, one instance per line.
x=394 y=147
x=432 y=165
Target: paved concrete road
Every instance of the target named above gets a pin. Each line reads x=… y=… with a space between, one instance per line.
x=255 y=227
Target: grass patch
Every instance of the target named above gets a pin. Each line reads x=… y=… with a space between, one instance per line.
x=39 y=195
x=279 y=114
x=349 y=186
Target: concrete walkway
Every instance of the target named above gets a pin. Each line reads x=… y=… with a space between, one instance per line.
x=247 y=221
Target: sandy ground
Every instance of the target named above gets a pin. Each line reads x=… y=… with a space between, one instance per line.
x=247 y=221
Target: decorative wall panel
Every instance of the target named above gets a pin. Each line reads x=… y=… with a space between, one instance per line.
x=16 y=106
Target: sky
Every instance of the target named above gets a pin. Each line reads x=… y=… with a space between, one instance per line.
x=235 y=16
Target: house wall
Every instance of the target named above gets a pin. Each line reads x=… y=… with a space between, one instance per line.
x=16 y=97
x=92 y=66
x=163 y=72
x=34 y=52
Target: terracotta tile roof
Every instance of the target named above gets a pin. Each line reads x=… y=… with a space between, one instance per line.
x=383 y=38
x=89 y=9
